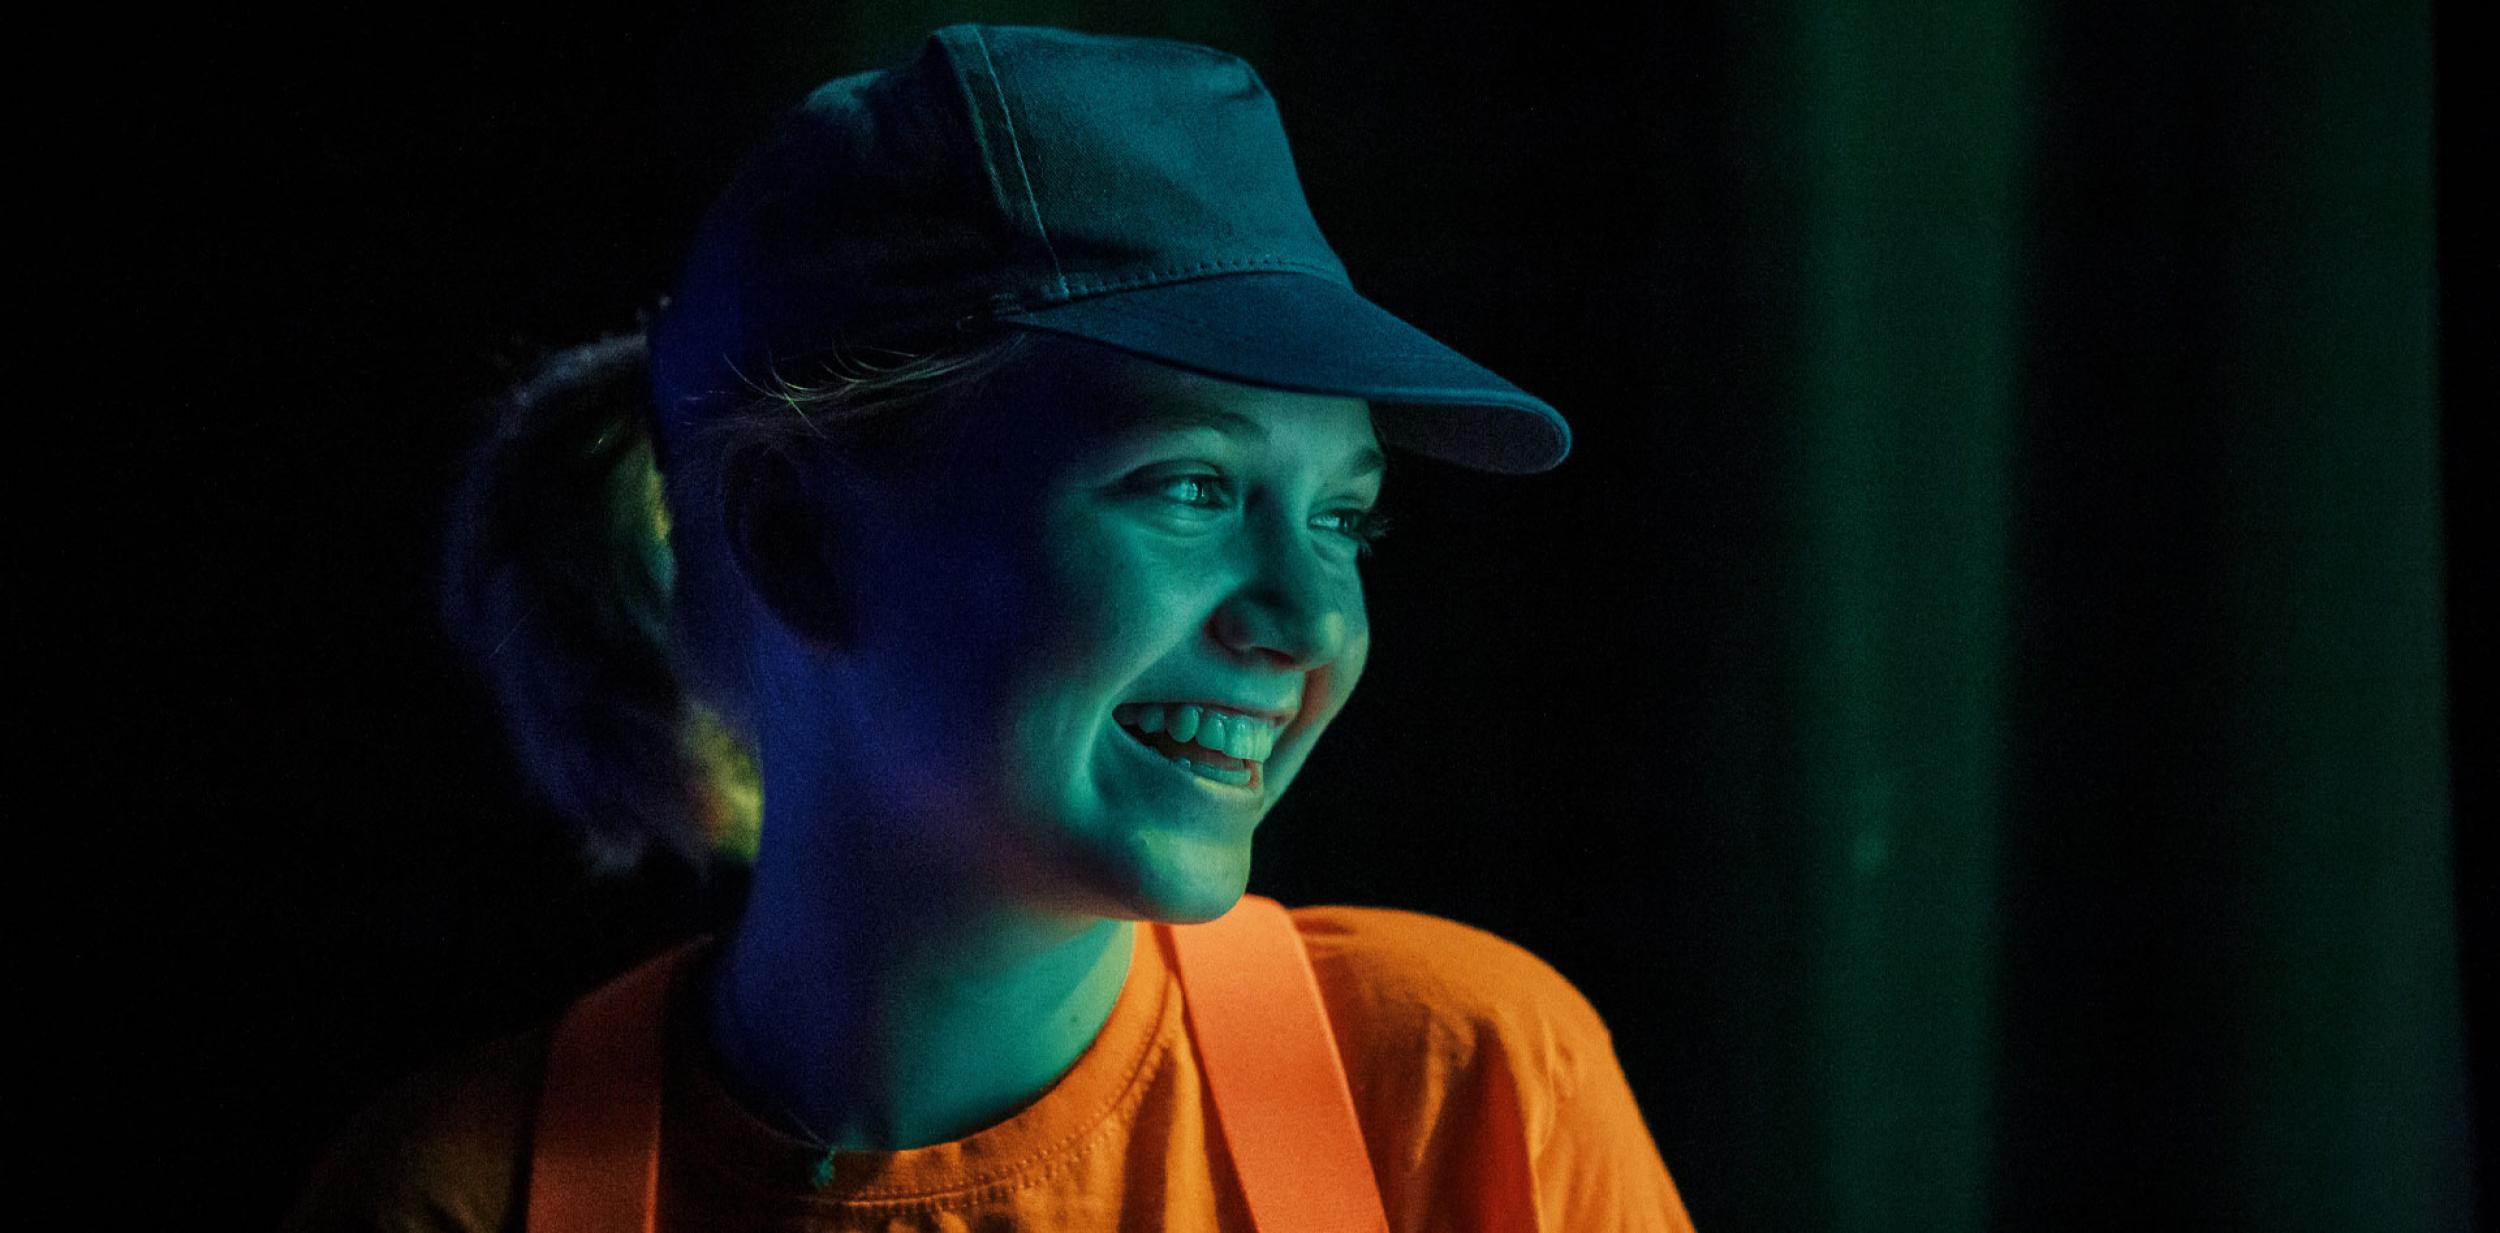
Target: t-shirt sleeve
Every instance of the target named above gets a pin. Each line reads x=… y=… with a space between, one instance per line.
x=1488 y=1086
x=1599 y=1167
x=440 y=1153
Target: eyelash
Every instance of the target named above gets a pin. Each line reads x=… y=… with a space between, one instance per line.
x=1370 y=525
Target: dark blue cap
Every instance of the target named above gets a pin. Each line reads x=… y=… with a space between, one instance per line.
x=1135 y=192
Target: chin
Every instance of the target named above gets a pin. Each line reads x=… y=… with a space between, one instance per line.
x=1187 y=891
x=1204 y=906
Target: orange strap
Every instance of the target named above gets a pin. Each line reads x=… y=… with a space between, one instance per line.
x=595 y=1153
x=1280 y=1090
x=1281 y=1096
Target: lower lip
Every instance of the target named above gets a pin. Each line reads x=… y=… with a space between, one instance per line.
x=1251 y=791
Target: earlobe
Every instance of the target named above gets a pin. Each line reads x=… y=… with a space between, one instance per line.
x=785 y=544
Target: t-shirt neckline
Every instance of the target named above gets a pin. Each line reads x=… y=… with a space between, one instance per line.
x=708 y=1129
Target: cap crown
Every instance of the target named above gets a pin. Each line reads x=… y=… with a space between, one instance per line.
x=1004 y=168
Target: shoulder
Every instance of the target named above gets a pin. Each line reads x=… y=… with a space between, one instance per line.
x=441 y=1150
x=1486 y=1084
x=1394 y=980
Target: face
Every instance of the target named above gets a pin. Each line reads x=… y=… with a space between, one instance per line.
x=1120 y=545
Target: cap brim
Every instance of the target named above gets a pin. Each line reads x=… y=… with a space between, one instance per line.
x=1313 y=335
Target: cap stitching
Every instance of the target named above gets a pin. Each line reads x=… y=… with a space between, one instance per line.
x=1149 y=309
x=1010 y=300
x=1015 y=147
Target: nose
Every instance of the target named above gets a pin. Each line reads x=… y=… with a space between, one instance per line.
x=1293 y=609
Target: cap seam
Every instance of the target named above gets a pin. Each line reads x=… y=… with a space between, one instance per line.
x=1011 y=301
x=1222 y=330
x=1015 y=148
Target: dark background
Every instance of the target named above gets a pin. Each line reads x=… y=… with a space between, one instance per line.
x=1994 y=711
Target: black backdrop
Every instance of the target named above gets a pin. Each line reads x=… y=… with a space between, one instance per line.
x=1985 y=712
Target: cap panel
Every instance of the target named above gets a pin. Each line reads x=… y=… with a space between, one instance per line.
x=1150 y=159
x=1001 y=154
x=864 y=208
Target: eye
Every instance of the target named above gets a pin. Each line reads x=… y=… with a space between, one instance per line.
x=1201 y=481
x=1366 y=527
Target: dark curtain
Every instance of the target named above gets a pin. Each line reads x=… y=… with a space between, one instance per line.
x=2096 y=503
x=1975 y=712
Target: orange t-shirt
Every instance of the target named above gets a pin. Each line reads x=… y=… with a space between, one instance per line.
x=1487 y=1086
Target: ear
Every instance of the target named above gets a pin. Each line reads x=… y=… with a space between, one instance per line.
x=787 y=543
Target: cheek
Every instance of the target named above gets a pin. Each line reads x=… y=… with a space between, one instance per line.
x=1354 y=643
x=1125 y=603
x=1328 y=689
x=1358 y=650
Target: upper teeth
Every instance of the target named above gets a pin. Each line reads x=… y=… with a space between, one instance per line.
x=1246 y=737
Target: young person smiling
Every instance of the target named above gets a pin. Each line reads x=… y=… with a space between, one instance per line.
x=1086 y=554
x=975 y=541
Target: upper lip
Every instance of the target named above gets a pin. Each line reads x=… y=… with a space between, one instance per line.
x=1273 y=715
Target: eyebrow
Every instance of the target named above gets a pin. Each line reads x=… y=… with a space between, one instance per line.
x=1166 y=416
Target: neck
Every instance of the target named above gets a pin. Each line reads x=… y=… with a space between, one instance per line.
x=871 y=1013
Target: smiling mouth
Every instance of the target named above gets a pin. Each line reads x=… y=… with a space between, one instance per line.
x=1199 y=762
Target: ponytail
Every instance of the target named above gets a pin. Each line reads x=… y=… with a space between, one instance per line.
x=557 y=586
x=617 y=638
